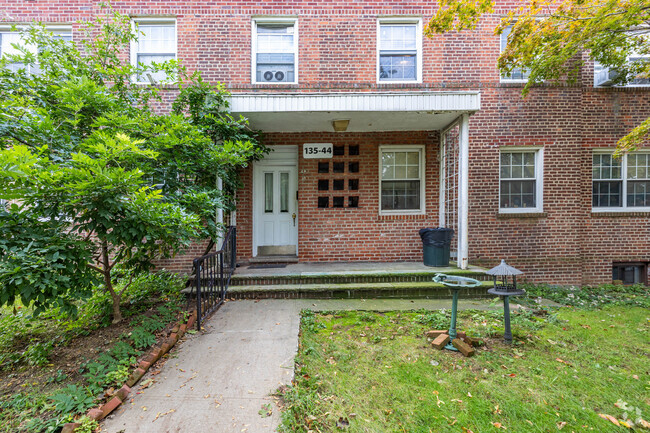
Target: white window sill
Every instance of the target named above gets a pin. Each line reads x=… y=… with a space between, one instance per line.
x=513 y=81
x=521 y=210
x=274 y=83
x=606 y=210
x=399 y=82
x=402 y=212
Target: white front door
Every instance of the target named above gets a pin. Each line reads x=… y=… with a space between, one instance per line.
x=275 y=210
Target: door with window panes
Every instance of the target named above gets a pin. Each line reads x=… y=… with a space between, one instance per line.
x=275 y=210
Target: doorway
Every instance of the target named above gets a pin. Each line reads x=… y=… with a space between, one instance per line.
x=275 y=207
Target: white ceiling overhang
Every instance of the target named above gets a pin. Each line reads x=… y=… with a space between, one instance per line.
x=404 y=111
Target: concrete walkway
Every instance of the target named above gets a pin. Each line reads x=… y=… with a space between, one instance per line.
x=219 y=380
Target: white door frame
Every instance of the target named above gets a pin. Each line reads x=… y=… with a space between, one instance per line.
x=280 y=156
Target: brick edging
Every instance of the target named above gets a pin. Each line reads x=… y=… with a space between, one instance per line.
x=100 y=412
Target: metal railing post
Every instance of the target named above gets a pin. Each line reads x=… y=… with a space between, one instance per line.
x=197 y=280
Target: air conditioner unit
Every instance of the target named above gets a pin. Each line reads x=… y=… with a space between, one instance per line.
x=276 y=76
x=605 y=77
x=275 y=73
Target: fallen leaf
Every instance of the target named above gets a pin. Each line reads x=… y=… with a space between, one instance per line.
x=561 y=425
x=609 y=418
x=466 y=430
x=499 y=425
x=643 y=423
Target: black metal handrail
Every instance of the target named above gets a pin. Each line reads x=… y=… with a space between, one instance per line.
x=212 y=276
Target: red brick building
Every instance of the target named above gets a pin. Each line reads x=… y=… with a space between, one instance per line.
x=379 y=131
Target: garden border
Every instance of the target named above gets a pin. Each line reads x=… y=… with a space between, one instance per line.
x=102 y=411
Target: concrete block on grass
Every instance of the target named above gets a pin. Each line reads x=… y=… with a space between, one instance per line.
x=440 y=341
x=475 y=342
x=463 y=347
x=435 y=333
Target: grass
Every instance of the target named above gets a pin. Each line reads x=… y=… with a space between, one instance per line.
x=375 y=372
x=53 y=367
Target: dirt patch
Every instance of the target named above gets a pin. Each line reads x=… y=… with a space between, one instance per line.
x=66 y=360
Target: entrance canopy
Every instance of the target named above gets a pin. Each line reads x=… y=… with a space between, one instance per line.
x=371 y=112
x=366 y=112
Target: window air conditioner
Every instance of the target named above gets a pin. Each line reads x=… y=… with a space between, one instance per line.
x=605 y=77
x=274 y=75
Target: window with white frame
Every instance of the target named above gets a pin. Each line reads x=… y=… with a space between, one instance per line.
x=399 y=50
x=604 y=76
x=156 y=44
x=275 y=51
x=517 y=74
x=621 y=183
x=520 y=180
x=402 y=185
x=10 y=41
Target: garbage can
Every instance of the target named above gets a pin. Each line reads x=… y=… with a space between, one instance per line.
x=435 y=245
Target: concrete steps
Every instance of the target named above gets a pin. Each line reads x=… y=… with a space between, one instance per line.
x=337 y=283
x=372 y=290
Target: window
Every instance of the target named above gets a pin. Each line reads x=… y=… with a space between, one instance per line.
x=605 y=76
x=275 y=51
x=520 y=180
x=630 y=273
x=399 y=50
x=156 y=44
x=621 y=184
x=517 y=74
x=10 y=39
x=402 y=187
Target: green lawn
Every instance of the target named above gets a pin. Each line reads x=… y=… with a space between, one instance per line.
x=376 y=372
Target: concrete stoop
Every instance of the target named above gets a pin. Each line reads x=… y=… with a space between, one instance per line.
x=351 y=285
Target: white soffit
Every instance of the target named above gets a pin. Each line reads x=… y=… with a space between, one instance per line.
x=412 y=111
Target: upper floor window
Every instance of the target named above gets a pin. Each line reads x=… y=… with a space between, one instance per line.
x=275 y=51
x=517 y=74
x=520 y=180
x=11 y=40
x=156 y=44
x=605 y=76
x=621 y=184
x=399 y=50
x=402 y=185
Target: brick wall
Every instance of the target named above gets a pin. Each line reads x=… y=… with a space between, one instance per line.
x=339 y=234
x=567 y=244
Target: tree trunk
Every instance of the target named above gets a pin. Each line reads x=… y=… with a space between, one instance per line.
x=108 y=284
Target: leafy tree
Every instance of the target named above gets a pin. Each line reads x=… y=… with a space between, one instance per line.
x=549 y=37
x=99 y=179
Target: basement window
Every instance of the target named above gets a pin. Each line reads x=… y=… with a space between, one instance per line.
x=630 y=273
